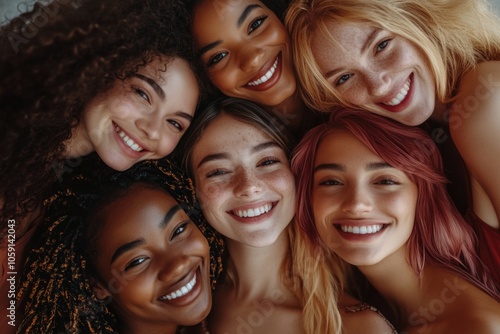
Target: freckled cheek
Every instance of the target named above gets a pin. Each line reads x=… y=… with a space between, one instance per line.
x=211 y=197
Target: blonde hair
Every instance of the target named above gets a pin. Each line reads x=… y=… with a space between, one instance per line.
x=318 y=280
x=453 y=36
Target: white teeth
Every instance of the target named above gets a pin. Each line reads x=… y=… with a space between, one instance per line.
x=401 y=95
x=127 y=140
x=266 y=76
x=365 y=229
x=181 y=291
x=253 y=212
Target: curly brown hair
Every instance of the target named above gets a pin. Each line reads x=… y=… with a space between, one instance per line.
x=56 y=292
x=57 y=57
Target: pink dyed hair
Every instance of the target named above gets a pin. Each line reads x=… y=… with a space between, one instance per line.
x=440 y=235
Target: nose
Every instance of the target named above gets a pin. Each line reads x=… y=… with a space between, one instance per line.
x=378 y=82
x=251 y=58
x=247 y=184
x=150 y=125
x=357 y=202
x=174 y=268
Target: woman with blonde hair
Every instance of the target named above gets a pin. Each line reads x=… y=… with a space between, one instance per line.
x=412 y=61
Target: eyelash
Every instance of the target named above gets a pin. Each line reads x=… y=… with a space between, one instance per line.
x=179 y=230
x=256 y=23
x=142 y=94
x=380 y=46
x=134 y=263
x=177 y=125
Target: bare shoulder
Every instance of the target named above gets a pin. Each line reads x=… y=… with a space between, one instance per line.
x=480 y=322
x=358 y=317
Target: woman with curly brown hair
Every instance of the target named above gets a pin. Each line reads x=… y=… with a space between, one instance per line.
x=80 y=81
x=76 y=80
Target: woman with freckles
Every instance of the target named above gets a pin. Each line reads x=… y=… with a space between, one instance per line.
x=372 y=192
x=84 y=85
x=246 y=52
x=414 y=61
x=238 y=158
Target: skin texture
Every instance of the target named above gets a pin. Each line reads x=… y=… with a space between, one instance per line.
x=346 y=192
x=152 y=108
x=165 y=252
x=238 y=167
x=360 y=191
x=369 y=67
x=238 y=53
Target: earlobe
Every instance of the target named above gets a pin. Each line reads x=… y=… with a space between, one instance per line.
x=101 y=292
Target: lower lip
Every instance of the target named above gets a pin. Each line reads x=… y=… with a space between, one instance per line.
x=190 y=296
x=359 y=237
x=125 y=148
x=254 y=220
x=271 y=82
x=404 y=104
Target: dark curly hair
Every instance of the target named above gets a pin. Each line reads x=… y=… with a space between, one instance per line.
x=56 y=287
x=55 y=59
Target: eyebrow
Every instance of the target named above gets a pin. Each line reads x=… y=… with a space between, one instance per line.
x=133 y=244
x=342 y=168
x=239 y=22
x=222 y=156
x=153 y=85
x=365 y=45
x=245 y=14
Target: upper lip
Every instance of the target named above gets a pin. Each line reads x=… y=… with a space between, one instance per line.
x=264 y=69
x=137 y=141
x=389 y=97
x=250 y=209
x=182 y=282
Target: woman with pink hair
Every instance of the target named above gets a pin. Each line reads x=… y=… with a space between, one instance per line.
x=372 y=192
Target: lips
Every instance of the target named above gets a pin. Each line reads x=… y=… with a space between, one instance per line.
x=127 y=140
x=401 y=95
x=364 y=229
x=401 y=99
x=253 y=212
x=182 y=291
x=267 y=77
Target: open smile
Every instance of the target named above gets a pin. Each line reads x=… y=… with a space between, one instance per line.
x=182 y=291
x=364 y=229
x=255 y=212
x=267 y=77
x=127 y=140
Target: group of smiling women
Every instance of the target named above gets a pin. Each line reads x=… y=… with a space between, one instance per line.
x=246 y=166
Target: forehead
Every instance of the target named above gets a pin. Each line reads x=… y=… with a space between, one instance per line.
x=340 y=38
x=213 y=17
x=340 y=144
x=228 y=130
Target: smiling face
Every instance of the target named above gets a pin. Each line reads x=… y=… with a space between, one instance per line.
x=376 y=70
x=243 y=181
x=363 y=208
x=153 y=261
x=142 y=117
x=246 y=50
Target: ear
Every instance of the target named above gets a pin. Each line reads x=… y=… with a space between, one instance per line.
x=100 y=291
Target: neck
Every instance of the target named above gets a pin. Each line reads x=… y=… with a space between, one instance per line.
x=415 y=297
x=440 y=113
x=291 y=112
x=79 y=144
x=257 y=271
